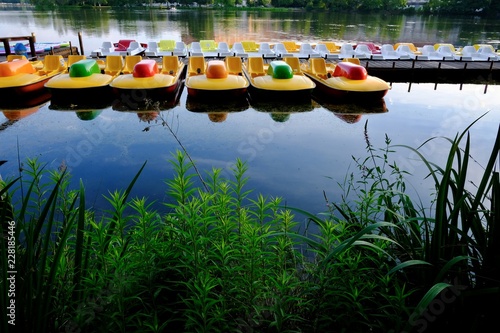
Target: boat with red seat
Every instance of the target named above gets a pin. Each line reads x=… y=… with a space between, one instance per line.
x=150 y=82
x=344 y=80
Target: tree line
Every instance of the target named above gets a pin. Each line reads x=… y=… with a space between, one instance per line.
x=476 y=7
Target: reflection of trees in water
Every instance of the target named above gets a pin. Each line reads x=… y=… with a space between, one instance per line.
x=266 y=26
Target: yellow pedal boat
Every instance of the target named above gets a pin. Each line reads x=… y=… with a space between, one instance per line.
x=148 y=83
x=344 y=80
x=20 y=79
x=219 y=79
x=278 y=80
x=84 y=84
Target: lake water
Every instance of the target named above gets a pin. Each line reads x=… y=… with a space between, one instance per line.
x=296 y=155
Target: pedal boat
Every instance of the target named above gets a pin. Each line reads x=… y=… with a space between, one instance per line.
x=345 y=80
x=277 y=80
x=20 y=79
x=216 y=79
x=147 y=83
x=84 y=84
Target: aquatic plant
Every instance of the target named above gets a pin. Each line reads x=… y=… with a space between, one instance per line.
x=450 y=249
x=226 y=259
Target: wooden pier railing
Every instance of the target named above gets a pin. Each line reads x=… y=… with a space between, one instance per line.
x=31 y=39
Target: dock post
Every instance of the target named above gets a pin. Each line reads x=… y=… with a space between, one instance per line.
x=32 y=41
x=81 y=43
x=465 y=69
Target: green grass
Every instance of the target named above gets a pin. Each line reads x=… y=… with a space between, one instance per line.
x=225 y=260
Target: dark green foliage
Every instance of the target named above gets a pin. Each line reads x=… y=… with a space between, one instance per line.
x=225 y=260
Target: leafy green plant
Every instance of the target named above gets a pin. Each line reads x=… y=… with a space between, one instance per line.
x=431 y=252
x=224 y=259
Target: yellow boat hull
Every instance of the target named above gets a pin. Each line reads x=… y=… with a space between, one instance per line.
x=277 y=81
x=65 y=82
x=345 y=81
x=20 y=78
x=148 y=84
x=214 y=80
x=128 y=81
x=83 y=86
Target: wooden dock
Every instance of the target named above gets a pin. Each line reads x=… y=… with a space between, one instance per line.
x=31 y=40
x=431 y=71
x=64 y=51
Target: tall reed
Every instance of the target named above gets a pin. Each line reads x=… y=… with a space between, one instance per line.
x=225 y=259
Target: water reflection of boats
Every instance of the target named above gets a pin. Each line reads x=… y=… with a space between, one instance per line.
x=217 y=112
x=88 y=114
x=281 y=112
x=81 y=113
x=195 y=105
x=127 y=105
x=29 y=101
x=284 y=107
x=353 y=112
x=14 y=113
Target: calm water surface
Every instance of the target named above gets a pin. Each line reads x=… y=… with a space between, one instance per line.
x=296 y=155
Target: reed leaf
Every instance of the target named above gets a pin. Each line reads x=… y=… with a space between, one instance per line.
x=424 y=303
x=118 y=209
x=79 y=248
x=408 y=263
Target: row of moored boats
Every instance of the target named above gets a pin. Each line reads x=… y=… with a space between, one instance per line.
x=80 y=80
x=327 y=50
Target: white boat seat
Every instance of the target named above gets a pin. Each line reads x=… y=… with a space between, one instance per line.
x=362 y=52
x=195 y=49
x=239 y=50
x=134 y=48
x=151 y=50
x=324 y=52
x=180 y=49
x=223 y=50
x=346 y=51
x=388 y=52
x=446 y=52
x=281 y=51
x=306 y=51
x=405 y=52
x=107 y=48
x=487 y=53
x=266 y=51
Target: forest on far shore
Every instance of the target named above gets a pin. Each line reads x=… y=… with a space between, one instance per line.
x=476 y=7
